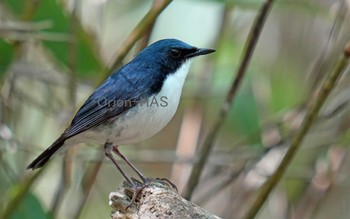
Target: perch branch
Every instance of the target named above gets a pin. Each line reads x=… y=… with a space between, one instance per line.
x=158 y=200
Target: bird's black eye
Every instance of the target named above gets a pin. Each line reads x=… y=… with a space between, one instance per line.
x=175 y=53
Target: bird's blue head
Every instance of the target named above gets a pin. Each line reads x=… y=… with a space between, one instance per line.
x=170 y=54
x=147 y=72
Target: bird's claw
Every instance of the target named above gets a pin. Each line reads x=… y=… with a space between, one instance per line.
x=136 y=187
x=169 y=182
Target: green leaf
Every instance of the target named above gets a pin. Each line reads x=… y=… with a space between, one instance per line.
x=30 y=208
x=15 y=6
x=6 y=56
x=87 y=62
x=284 y=82
x=244 y=115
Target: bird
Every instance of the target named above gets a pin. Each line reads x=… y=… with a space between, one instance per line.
x=131 y=105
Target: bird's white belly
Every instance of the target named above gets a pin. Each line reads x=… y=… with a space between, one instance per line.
x=143 y=120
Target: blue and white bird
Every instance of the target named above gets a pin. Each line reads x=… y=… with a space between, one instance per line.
x=133 y=104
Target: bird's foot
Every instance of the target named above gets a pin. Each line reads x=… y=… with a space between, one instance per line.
x=137 y=190
x=133 y=190
x=137 y=187
x=163 y=181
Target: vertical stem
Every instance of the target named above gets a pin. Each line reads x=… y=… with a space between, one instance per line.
x=310 y=117
x=248 y=52
x=147 y=35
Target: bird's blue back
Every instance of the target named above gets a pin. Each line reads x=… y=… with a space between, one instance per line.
x=135 y=81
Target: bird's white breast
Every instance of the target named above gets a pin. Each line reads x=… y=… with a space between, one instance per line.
x=145 y=119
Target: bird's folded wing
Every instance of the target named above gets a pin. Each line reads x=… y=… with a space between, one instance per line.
x=110 y=100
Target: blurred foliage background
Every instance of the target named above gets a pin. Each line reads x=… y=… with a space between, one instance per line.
x=53 y=54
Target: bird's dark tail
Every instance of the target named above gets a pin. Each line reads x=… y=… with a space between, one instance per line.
x=45 y=156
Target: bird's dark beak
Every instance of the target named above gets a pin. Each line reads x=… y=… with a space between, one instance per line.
x=199 y=52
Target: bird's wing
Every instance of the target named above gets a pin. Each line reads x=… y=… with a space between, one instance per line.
x=117 y=94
